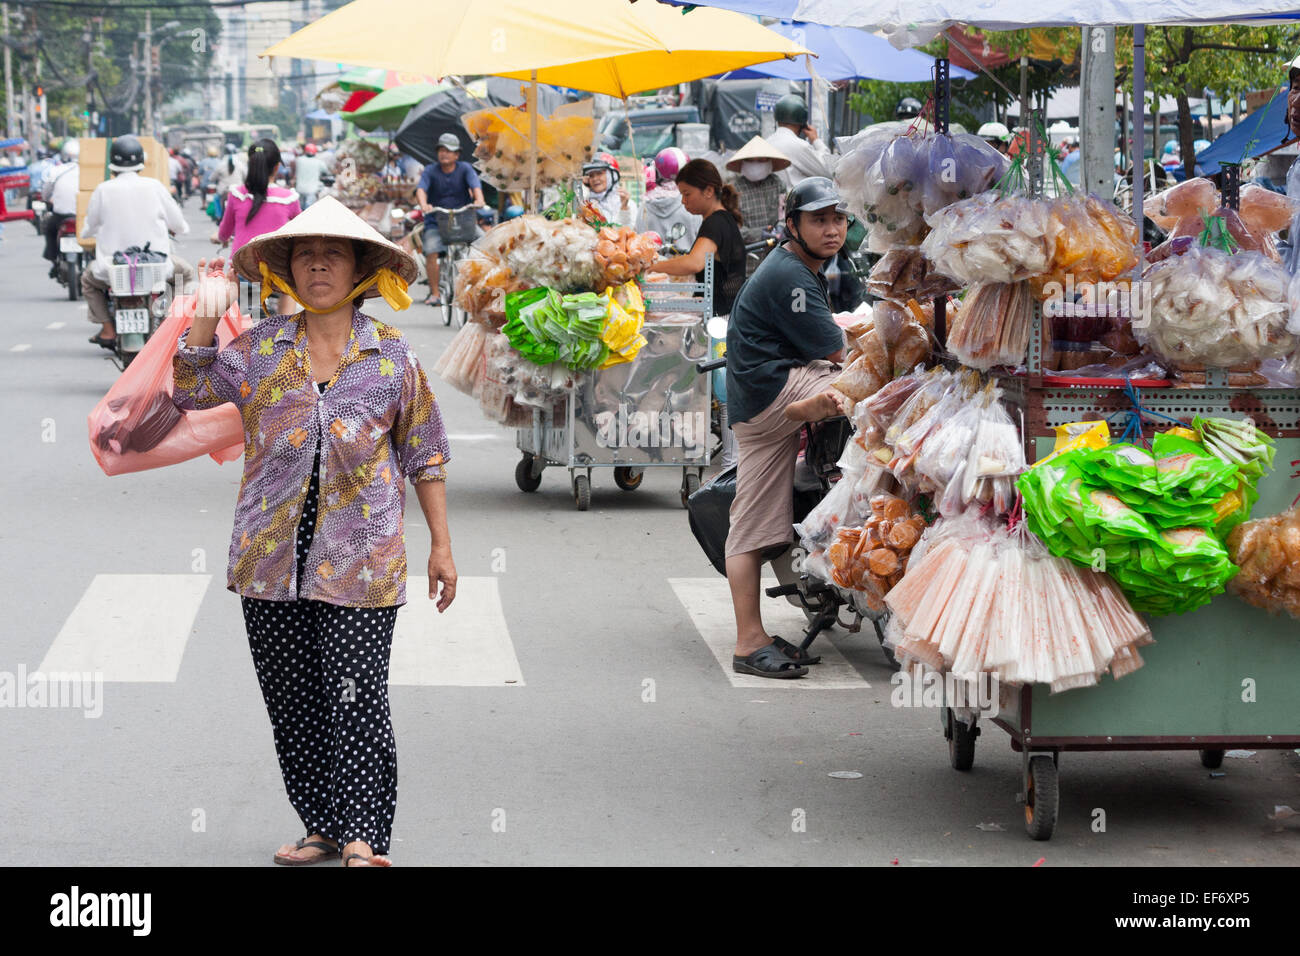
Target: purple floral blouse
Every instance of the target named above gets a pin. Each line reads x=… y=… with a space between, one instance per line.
x=377 y=423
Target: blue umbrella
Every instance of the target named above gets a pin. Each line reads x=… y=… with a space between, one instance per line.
x=1258 y=133
x=846 y=53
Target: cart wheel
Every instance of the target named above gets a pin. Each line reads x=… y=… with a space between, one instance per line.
x=629 y=479
x=524 y=476
x=961 y=743
x=1212 y=759
x=889 y=654
x=582 y=492
x=690 y=485
x=1042 y=797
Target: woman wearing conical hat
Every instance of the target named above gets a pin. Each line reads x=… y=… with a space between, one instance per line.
x=338 y=416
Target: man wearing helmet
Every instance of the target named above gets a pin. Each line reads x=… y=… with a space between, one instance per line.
x=782 y=346
x=60 y=192
x=127 y=210
x=449 y=183
x=600 y=177
x=996 y=135
x=797 y=141
x=662 y=211
x=307 y=171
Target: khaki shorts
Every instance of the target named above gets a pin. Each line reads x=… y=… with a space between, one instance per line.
x=762 y=513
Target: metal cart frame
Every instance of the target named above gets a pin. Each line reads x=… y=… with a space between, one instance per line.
x=577 y=435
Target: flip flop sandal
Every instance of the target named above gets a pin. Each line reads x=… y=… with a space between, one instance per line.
x=102 y=342
x=330 y=853
x=430 y=300
x=768 y=662
x=372 y=860
x=795 y=652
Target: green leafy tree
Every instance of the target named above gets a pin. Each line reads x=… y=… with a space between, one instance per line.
x=98 y=56
x=1184 y=62
x=1050 y=67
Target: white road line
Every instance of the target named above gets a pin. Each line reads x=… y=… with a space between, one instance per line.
x=20 y=348
x=466 y=646
x=708 y=602
x=129 y=627
x=56 y=325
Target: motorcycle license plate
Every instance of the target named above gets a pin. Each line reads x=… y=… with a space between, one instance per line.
x=69 y=245
x=132 y=320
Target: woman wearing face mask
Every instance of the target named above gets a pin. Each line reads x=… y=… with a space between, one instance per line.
x=758 y=185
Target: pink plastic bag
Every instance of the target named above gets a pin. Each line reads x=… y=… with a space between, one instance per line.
x=136 y=426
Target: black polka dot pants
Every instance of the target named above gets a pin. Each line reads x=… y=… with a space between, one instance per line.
x=323 y=670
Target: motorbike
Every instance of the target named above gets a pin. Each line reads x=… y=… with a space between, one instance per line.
x=137 y=299
x=73 y=259
x=823 y=605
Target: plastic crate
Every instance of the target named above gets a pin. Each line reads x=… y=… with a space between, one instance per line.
x=458 y=226
x=139 y=278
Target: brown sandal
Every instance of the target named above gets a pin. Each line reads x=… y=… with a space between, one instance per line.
x=330 y=853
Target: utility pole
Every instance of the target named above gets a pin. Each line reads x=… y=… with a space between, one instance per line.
x=9 y=77
x=148 y=73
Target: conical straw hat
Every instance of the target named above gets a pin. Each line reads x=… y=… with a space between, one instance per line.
x=758 y=148
x=330 y=218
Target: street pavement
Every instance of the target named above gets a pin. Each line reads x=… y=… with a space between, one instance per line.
x=576 y=705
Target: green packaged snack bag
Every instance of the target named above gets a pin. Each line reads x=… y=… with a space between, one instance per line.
x=1122 y=465
x=1186 y=466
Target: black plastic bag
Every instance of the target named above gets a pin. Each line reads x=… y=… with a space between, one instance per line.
x=709 y=513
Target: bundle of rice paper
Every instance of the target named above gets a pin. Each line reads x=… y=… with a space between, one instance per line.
x=983 y=600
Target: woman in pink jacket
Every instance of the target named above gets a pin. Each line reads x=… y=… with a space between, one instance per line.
x=256 y=207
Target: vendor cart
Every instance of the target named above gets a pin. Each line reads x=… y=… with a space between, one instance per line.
x=1218 y=678
x=652 y=412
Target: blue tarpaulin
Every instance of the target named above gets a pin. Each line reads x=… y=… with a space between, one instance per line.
x=1258 y=133
x=846 y=53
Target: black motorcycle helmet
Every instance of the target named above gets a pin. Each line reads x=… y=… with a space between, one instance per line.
x=126 y=155
x=810 y=195
x=791 y=110
x=908 y=108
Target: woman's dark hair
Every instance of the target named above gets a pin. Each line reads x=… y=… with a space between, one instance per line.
x=702 y=174
x=263 y=161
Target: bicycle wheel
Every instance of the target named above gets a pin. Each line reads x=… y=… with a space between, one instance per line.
x=446 y=287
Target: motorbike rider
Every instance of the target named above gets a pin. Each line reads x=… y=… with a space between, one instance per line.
x=797 y=141
x=662 y=211
x=307 y=170
x=758 y=163
x=449 y=184
x=600 y=177
x=125 y=211
x=60 y=192
x=782 y=346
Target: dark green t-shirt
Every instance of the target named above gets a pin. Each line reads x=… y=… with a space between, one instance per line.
x=781 y=318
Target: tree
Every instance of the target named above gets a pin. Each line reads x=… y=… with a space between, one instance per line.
x=1052 y=50
x=1184 y=62
x=94 y=53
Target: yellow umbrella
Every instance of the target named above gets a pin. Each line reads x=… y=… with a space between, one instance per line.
x=600 y=46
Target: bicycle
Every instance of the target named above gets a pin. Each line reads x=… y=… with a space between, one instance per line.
x=457 y=230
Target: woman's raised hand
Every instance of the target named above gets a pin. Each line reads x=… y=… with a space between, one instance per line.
x=217 y=288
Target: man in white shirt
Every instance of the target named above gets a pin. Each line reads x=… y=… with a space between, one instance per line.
x=307 y=170
x=127 y=210
x=798 y=142
x=60 y=191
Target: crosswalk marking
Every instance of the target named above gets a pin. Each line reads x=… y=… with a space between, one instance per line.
x=55 y=325
x=468 y=645
x=20 y=348
x=708 y=602
x=129 y=627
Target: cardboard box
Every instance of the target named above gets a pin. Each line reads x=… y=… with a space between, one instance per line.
x=83 y=203
x=94 y=161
